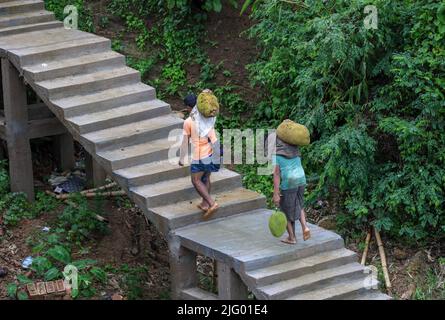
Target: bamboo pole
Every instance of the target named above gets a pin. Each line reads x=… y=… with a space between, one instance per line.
x=365 y=252
x=87 y=195
x=108 y=186
x=383 y=258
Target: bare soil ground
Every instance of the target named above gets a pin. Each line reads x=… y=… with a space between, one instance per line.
x=130 y=240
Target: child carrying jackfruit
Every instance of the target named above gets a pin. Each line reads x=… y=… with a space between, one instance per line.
x=289 y=179
x=199 y=128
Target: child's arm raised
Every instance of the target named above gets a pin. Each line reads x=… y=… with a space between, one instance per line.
x=276 y=185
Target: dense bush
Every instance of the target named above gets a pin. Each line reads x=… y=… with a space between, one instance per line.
x=373 y=100
x=140 y=6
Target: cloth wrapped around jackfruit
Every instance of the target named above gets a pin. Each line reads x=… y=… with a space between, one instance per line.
x=293 y=133
x=208 y=104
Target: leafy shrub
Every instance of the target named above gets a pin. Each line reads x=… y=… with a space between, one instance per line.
x=78 y=220
x=373 y=100
x=142 y=6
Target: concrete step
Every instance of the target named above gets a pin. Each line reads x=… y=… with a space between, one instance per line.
x=119 y=116
x=74 y=66
x=152 y=172
x=181 y=189
x=90 y=82
x=138 y=154
x=22 y=6
x=231 y=202
x=81 y=44
x=105 y=100
x=339 y=291
x=30 y=28
x=24 y=43
x=246 y=241
x=311 y=282
x=133 y=133
x=370 y=295
x=298 y=268
x=197 y=294
x=20 y=19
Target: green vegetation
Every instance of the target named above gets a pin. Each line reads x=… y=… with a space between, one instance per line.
x=132 y=279
x=173 y=41
x=373 y=100
x=54 y=250
x=433 y=286
x=15 y=206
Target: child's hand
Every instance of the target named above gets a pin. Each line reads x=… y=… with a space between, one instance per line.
x=276 y=199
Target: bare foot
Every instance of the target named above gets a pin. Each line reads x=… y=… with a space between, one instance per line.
x=289 y=241
x=211 y=211
x=306 y=234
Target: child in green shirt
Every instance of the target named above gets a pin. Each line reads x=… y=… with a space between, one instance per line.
x=289 y=184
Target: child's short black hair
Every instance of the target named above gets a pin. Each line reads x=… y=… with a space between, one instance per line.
x=190 y=100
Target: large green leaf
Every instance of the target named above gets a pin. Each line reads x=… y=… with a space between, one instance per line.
x=60 y=254
x=52 y=274
x=23 y=279
x=11 y=289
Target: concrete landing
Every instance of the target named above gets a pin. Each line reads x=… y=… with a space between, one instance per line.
x=246 y=241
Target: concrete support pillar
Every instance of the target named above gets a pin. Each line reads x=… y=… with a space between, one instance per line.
x=96 y=175
x=182 y=268
x=230 y=285
x=16 y=117
x=64 y=152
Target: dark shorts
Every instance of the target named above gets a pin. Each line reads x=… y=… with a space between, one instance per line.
x=204 y=165
x=292 y=202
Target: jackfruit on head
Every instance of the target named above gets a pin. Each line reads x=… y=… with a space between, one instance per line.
x=208 y=104
x=293 y=133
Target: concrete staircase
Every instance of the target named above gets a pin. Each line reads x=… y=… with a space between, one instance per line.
x=120 y=122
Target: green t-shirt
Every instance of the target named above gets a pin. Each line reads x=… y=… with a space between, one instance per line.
x=292 y=172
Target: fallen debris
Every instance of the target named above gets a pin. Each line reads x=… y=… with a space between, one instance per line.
x=45 y=290
x=410 y=292
x=400 y=254
x=117 y=297
x=27 y=262
x=3 y=272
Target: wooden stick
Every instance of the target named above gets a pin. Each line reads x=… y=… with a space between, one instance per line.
x=383 y=258
x=108 y=186
x=87 y=195
x=365 y=252
x=106 y=194
x=98 y=217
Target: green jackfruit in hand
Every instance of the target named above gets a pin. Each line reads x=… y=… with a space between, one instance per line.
x=277 y=223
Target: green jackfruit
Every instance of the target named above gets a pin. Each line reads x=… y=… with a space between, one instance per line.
x=293 y=133
x=208 y=104
x=277 y=223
